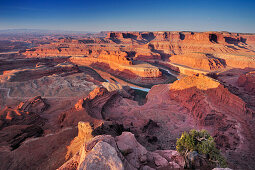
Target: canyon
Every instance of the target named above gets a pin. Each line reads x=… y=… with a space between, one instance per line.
x=119 y=100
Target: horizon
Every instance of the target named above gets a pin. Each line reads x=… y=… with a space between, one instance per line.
x=94 y=32
x=85 y=16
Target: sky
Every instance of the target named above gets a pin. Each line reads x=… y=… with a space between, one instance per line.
x=129 y=15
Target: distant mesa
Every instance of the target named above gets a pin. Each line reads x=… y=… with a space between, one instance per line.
x=121 y=50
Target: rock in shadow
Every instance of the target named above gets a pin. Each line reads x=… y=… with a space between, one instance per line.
x=150 y=125
x=109 y=128
x=213 y=38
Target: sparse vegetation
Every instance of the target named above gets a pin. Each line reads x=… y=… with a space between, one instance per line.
x=202 y=143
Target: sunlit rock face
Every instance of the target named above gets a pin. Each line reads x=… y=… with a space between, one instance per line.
x=199 y=61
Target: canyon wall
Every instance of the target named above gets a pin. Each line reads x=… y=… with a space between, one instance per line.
x=188 y=52
x=174 y=36
x=198 y=61
x=140 y=70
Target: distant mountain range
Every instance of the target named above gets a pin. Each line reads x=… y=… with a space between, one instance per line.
x=41 y=31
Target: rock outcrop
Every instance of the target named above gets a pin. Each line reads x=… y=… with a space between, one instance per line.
x=95 y=101
x=121 y=152
x=33 y=105
x=199 y=87
x=101 y=156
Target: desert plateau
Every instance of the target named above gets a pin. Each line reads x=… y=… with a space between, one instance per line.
x=120 y=99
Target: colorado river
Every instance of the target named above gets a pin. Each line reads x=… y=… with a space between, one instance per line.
x=140 y=88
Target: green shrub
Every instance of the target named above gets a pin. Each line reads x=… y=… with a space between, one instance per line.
x=203 y=144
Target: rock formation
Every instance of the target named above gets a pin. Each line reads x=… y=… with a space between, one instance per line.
x=95 y=101
x=66 y=102
x=210 y=51
x=198 y=100
x=121 y=152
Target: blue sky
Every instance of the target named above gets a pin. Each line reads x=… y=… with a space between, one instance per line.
x=129 y=15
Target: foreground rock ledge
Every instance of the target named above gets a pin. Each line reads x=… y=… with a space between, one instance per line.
x=122 y=152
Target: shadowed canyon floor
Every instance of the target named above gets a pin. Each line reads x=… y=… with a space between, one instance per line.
x=125 y=97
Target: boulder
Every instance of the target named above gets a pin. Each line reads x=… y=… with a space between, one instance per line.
x=102 y=157
x=123 y=151
x=146 y=167
x=172 y=156
x=158 y=160
x=133 y=151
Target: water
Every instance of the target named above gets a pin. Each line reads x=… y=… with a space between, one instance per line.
x=133 y=87
x=169 y=72
x=140 y=88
